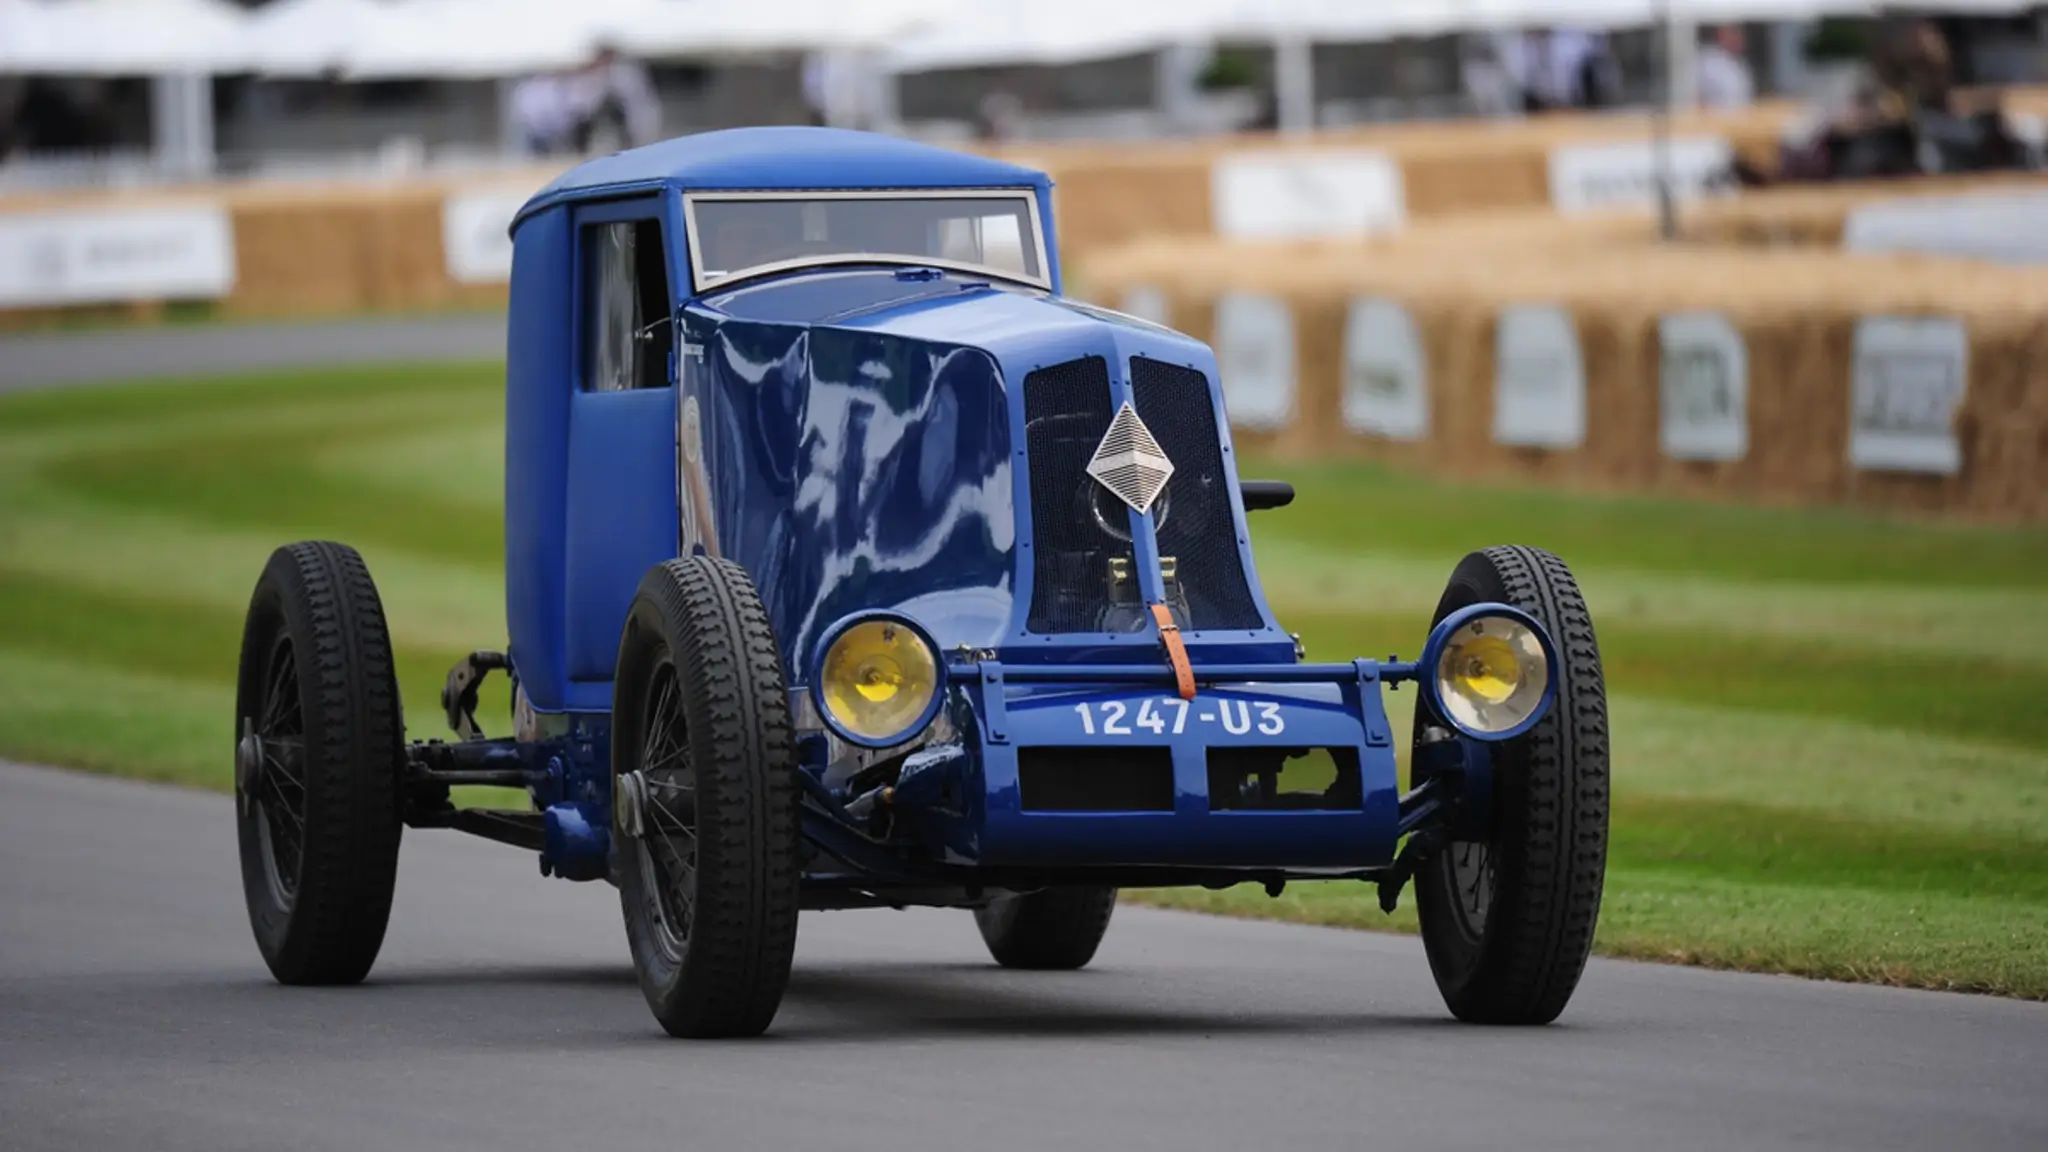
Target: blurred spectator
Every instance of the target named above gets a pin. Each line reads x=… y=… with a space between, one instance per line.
x=837 y=87
x=1564 y=68
x=818 y=89
x=1912 y=71
x=1908 y=117
x=1265 y=115
x=1489 y=82
x=545 y=111
x=1723 y=76
x=618 y=93
x=1000 y=117
x=587 y=108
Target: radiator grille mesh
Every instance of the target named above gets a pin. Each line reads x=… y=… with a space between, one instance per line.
x=1066 y=413
x=1197 y=529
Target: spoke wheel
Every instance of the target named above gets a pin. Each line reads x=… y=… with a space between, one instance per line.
x=276 y=787
x=665 y=848
x=704 y=807
x=1472 y=884
x=318 y=757
x=1508 y=923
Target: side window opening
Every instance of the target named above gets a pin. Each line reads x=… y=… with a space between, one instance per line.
x=629 y=327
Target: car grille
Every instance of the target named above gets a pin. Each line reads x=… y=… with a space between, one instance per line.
x=1194 y=518
x=1078 y=528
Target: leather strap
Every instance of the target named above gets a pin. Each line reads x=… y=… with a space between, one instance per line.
x=1176 y=652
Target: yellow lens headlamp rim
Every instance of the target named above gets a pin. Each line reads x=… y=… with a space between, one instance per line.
x=1447 y=630
x=818 y=687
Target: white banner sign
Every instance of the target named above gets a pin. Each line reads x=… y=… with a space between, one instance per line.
x=1279 y=195
x=1704 y=390
x=1386 y=386
x=1909 y=378
x=1539 y=397
x=91 y=256
x=476 y=234
x=2010 y=227
x=1255 y=354
x=1589 y=177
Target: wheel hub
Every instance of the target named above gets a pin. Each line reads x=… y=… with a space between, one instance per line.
x=629 y=805
x=248 y=759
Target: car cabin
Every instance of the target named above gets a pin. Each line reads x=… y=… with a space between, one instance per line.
x=790 y=346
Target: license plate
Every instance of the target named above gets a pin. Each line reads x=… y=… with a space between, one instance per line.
x=1172 y=716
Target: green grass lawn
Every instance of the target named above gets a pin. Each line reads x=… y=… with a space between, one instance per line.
x=1830 y=751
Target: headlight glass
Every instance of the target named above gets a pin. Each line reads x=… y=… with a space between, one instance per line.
x=1492 y=674
x=878 y=680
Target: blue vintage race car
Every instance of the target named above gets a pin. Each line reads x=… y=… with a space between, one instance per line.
x=849 y=564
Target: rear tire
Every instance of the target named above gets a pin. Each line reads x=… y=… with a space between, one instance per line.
x=318 y=810
x=1053 y=929
x=1508 y=924
x=705 y=806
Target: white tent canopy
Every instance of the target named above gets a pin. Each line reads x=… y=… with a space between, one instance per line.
x=442 y=38
x=472 y=39
x=486 y=38
x=696 y=28
x=463 y=39
x=1073 y=31
x=987 y=33
x=122 y=37
x=311 y=37
x=1055 y=32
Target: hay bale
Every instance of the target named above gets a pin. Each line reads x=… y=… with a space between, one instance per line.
x=1113 y=202
x=1113 y=194
x=1816 y=215
x=1797 y=311
x=302 y=255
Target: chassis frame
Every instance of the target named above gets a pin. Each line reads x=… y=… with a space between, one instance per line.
x=852 y=861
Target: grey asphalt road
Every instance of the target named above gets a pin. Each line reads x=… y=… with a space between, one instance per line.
x=136 y=1014
x=39 y=359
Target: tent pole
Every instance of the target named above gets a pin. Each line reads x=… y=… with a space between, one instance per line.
x=1660 y=123
x=181 y=114
x=1295 y=85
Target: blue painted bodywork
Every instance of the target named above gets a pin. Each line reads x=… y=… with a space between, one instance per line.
x=873 y=457
x=854 y=437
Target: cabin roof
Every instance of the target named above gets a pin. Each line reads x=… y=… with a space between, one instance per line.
x=781 y=158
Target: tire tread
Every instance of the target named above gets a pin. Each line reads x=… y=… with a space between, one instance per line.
x=1552 y=868
x=354 y=734
x=1057 y=928
x=736 y=711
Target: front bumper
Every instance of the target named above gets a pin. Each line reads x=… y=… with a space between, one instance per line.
x=1024 y=715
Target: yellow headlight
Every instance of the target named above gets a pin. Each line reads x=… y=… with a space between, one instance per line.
x=1492 y=674
x=878 y=680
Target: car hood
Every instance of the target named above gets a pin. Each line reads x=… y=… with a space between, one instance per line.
x=869 y=439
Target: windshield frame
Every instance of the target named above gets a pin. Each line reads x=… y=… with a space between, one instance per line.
x=699 y=284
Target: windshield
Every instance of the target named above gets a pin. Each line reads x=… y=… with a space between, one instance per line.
x=742 y=233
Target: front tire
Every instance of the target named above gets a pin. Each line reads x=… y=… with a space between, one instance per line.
x=1053 y=929
x=1508 y=923
x=705 y=801
x=319 y=756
